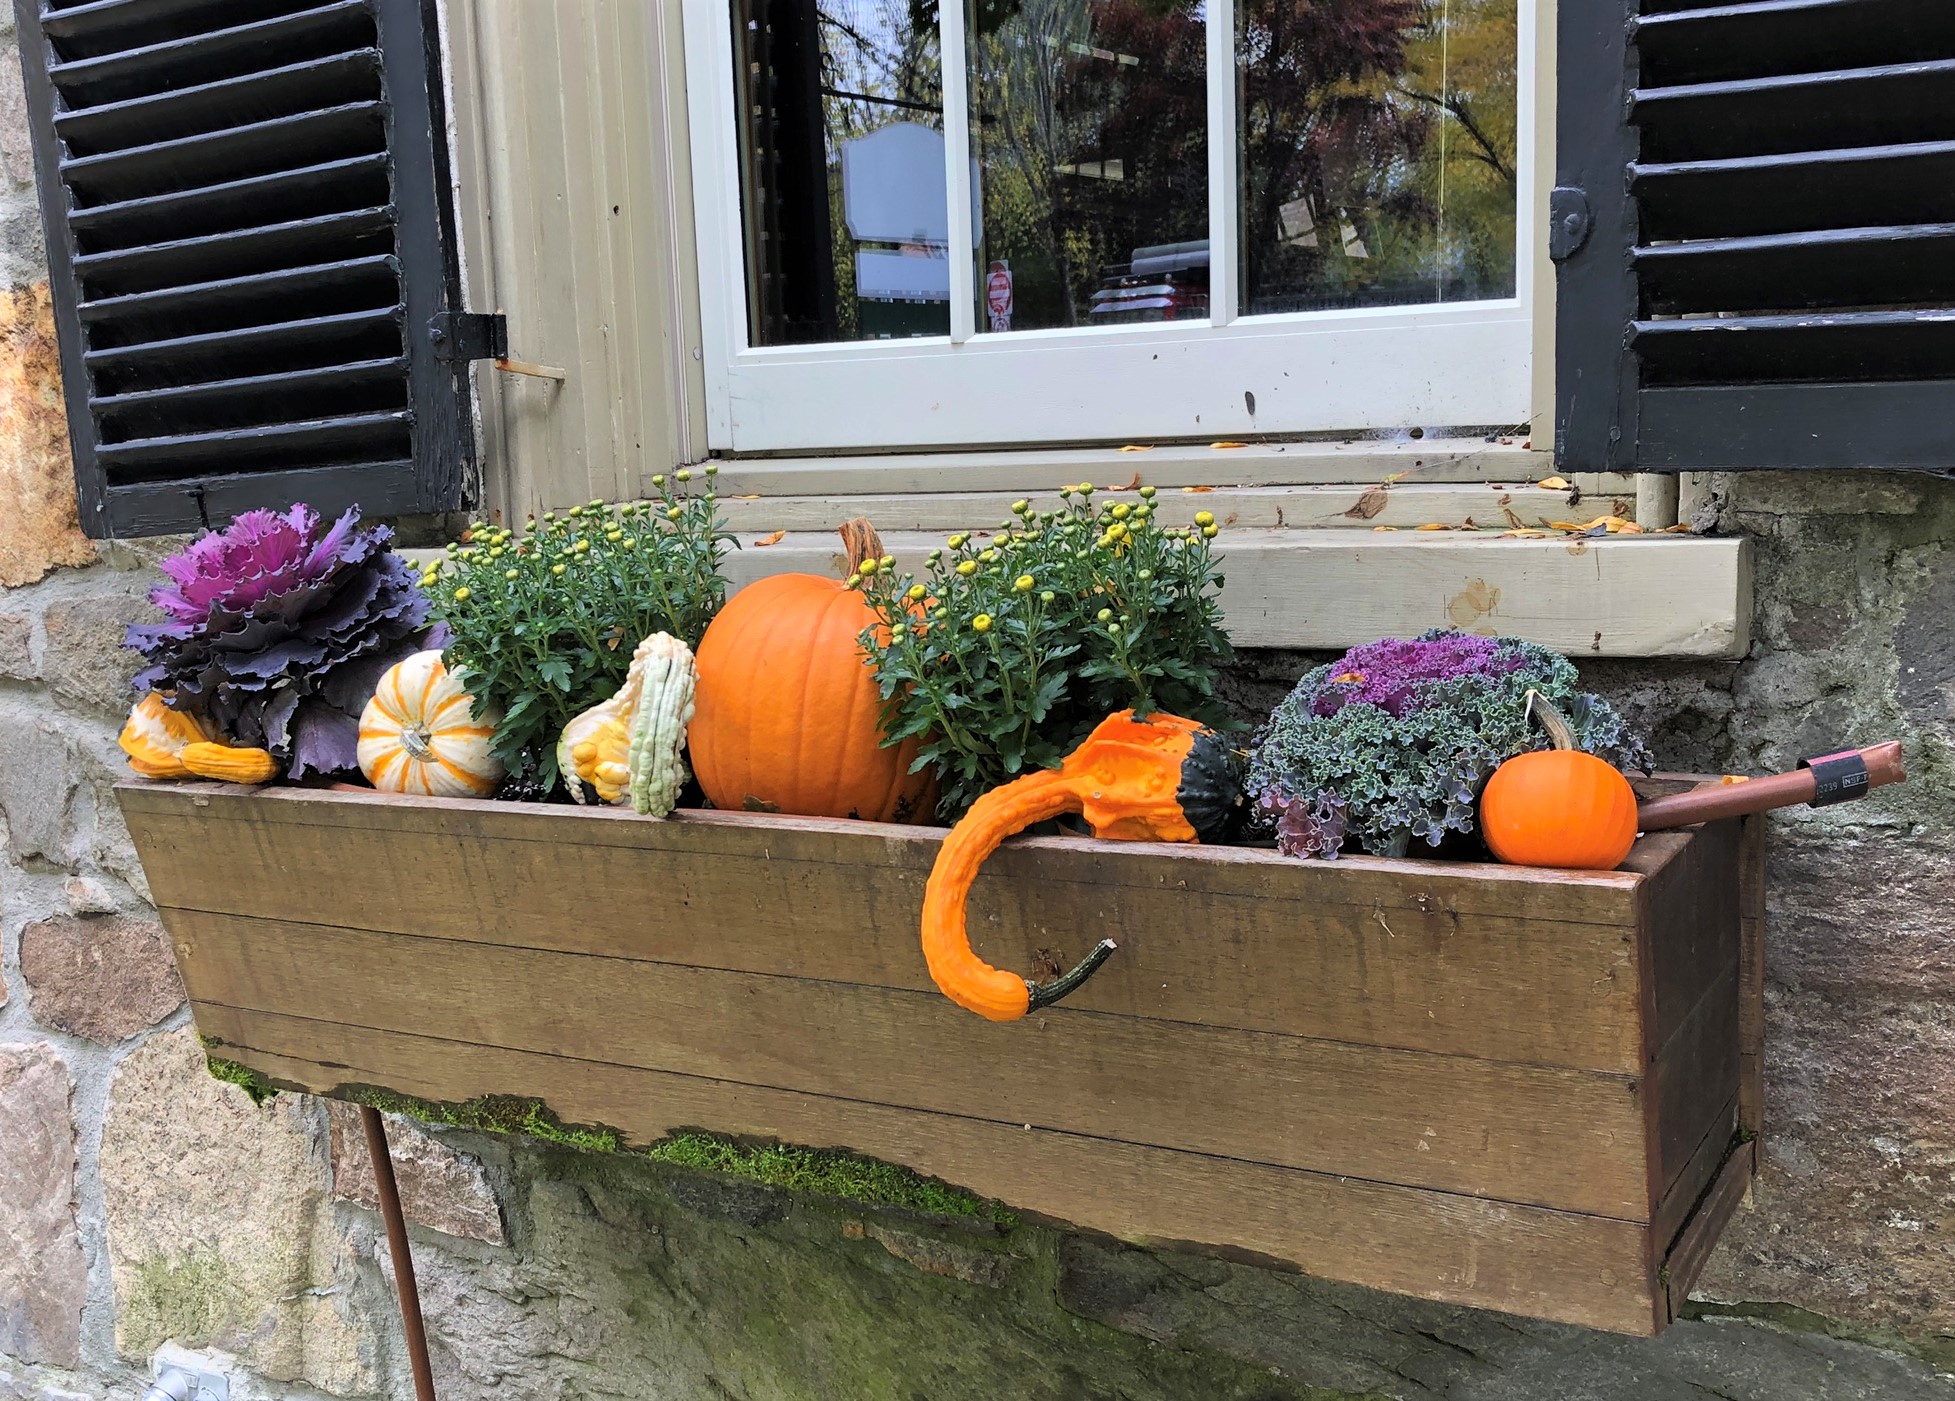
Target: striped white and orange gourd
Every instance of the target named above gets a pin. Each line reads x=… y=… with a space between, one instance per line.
x=420 y=734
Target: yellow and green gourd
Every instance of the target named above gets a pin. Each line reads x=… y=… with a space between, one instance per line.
x=627 y=748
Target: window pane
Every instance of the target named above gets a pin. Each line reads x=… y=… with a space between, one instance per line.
x=842 y=170
x=1089 y=125
x=1377 y=152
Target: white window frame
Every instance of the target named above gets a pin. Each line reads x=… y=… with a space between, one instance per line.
x=1456 y=364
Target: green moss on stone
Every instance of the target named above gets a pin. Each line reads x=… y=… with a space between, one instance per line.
x=186 y=1300
x=827 y=1174
x=490 y=1114
x=1937 y=1350
x=243 y=1076
x=819 y=1172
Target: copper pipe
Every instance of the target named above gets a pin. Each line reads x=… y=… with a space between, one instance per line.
x=1714 y=801
x=390 y=1211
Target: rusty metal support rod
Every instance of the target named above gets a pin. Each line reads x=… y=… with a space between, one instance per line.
x=397 y=1247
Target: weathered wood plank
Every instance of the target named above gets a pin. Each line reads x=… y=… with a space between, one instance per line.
x=1681 y=1196
x=1700 y=1234
x=1751 y=974
x=1347 y=952
x=1693 y=1081
x=1691 y=920
x=1523 y=1260
x=1167 y=466
x=1354 y=506
x=1624 y=596
x=1539 y=1135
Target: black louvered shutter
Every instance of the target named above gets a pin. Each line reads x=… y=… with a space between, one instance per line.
x=1755 y=224
x=249 y=239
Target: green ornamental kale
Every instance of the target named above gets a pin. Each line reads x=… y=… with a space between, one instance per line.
x=1394 y=741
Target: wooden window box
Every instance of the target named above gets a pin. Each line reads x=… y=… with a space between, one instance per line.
x=1519 y=1090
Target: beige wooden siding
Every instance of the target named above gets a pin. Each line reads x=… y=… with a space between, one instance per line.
x=570 y=136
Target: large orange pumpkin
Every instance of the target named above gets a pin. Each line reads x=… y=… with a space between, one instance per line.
x=788 y=717
x=1558 y=807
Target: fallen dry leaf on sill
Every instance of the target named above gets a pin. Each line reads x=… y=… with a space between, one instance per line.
x=1191 y=490
x=1680 y=529
x=1432 y=525
x=1133 y=485
x=1631 y=528
x=1138 y=447
x=1225 y=443
x=754 y=497
x=1384 y=527
x=1396 y=477
x=1370 y=504
x=773 y=539
x=1512 y=518
x=1525 y=535
x=1552 y=484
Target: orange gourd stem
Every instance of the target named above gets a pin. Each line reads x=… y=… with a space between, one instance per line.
x=965 y=978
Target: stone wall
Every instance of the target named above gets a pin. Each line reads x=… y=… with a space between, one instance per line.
x=148 y=1208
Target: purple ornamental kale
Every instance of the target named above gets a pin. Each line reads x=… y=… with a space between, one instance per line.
x=277 y=632
x=1390 y=673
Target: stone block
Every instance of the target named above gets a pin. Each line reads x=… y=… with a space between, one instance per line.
x=39 y=530
x=16 y=149
x=43 y=1275
x=40 y=784
x=83 y=657
x=103 y=978
x=17 y=647
x=440 y=1188
x=1855 y=1206
x=219 y=1226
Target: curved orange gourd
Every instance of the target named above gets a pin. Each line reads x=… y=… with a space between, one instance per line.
x=787 y=717
x=1153 y=780
x=1558 y=807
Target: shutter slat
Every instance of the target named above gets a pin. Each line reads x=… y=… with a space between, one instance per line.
x=1832 y=267
x=203 y=296
x=314 y=332
x=381 y=488
x=1867 y=346
x=1704 y=44
x=277 y=92
x=270 y=443
x=1888 y=105
x=249 y=242
x=256 y=148
x=1804 y=190
x=345 y=24
x=356 y=182
x=227 y=391
x=247 y=250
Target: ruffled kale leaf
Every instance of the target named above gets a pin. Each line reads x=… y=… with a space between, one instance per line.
x=276 y=632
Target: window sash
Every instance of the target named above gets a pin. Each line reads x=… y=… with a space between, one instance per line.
x=1455 y=364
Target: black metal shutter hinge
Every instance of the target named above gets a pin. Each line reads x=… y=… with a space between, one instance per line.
x=1570 y=222
x=469 y=335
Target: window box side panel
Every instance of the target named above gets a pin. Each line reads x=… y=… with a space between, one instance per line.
x=1405 y=1108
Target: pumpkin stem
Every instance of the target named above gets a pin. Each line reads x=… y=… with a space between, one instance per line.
x=1045 y=994
x=859 y=538
x=1552 y=720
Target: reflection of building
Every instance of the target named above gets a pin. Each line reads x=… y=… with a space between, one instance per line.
x=893 y=194
x=1165 y=282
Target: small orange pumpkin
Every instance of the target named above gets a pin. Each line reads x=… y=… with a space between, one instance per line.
x=787 y=717
x=1162 y=779
x=1558 y=807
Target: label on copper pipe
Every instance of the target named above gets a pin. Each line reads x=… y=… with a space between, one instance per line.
x=1840 y=778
